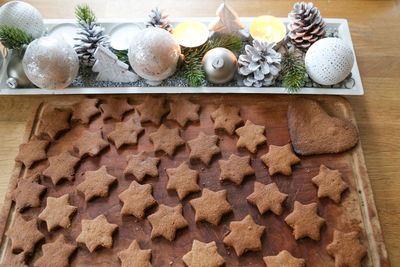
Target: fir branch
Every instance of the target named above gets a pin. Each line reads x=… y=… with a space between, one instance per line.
x=122 y=55
x=13 y=38
x=293 y=72
x=84 y=13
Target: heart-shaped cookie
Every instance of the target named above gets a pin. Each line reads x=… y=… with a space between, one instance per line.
x=313 y=131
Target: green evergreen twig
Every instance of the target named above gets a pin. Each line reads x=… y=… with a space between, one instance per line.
x=84 y=13
x=122 y=55
x=13 y=38
x=293 y=72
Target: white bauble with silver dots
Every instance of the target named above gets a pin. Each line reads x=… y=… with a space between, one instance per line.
x=329 y=61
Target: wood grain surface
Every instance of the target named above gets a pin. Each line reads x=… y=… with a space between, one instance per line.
x=375 y=33
x=356 y=211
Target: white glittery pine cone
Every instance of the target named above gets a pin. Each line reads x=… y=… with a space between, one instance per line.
x=90 y=37
x=260 y=64
x=157 y=18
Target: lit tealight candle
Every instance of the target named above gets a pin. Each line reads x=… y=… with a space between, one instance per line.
x=191 y=33
x=268 y=28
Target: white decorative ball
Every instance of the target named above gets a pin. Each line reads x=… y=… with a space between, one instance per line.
x=154 y=54
x=329 y=61
x=23 y=16
x=50 y=63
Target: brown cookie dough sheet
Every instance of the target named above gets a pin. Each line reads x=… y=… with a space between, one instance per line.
x=356 y=211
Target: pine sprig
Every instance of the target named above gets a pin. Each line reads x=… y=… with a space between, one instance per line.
x=13 y=38
x=84 y=13
x=293 y=72
x=192 y=70
x=122 y=55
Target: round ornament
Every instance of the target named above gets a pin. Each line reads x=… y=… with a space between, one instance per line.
x=154 y=54
x=220 y=65
x=329 y=61
x=15 y=71
x=23 y=16
x=50 y=63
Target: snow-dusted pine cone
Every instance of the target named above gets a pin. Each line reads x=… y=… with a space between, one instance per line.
x=157 y=18
x=260 y=64
x=90 y=37
x=306 y=25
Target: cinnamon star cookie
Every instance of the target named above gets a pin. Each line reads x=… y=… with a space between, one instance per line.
x=283 y=259
x=115 y=108
x=31 y=152
x=125 y=133
x=203 y=147
x=250 y=136
x=203 y=254
x=211 y=206
x=152 y=109
x=166 y=221
x=279 y=159
x=13 y=260
x=267 y=197
x=226 y=117
x=183 y=111
x=27 y=193
x=166 y=139
x=244 y=235
x=97 y=232
x=136 y=199
x=330 y=183
x=183 y=180
x=133 y=256
x=85 y=110
x=305 y=221
x=58 y=212
x=90 y=143
x=53 y=122
x=61 y=166
x=235 y=168
x=96 y=183
x=56 y=254
x=141 y=165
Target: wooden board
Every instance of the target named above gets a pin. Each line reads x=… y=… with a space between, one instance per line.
x=356 y=212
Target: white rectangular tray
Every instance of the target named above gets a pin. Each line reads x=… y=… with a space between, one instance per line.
x=341 y=25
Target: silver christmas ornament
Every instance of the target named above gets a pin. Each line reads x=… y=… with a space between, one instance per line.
x=50 y=63
x=220 y=65
x=15 y=71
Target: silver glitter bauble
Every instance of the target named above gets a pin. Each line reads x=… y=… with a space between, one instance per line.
x=154 y=54
x=50 y=63
x=15 y=71
x=220 y=65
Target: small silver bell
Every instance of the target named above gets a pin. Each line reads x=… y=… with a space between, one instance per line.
x=220 y=65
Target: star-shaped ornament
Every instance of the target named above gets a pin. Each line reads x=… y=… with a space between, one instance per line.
x=235 y=168
x=125 y=133
x=280 y=159
x=250 y=136
x=330 y=183
x=267 y=197
x=133 y=256
x=203 y=147
x=96 y=183
x=58 y=212
x=142 y=164
x=61 y=166
x=183 y=180
x=166 y=139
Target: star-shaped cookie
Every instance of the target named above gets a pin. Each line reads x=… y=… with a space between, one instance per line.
x=235 y=168
x=250 y=136
x=152 y=109
x=53 y=122
x=13 y=260
x=267 y=197
x=61 y=166
x=346 y=249
x=31 y=152
x=203 y=254
x=97 y=232
x=183 y=180
x=56 y=253
x=166 y=221
x=183 y=111
x=24 y=235
x=330 y=183
x=133 y=256
x=226 y=117
x=27 y=193
x=58 y=212
x=125 y=133
x=136 y=199
x=305 y=221
x=244 y=235
x=279 y=159
x=85 y=110
x=96 y=183
x=284 y=258
x=166 y=139
x=211 y=206
x=115 y=108
x=203 y=147
x=142 y=164
x=90 y=143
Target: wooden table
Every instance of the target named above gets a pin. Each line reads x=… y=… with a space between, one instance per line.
x=375 y=32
